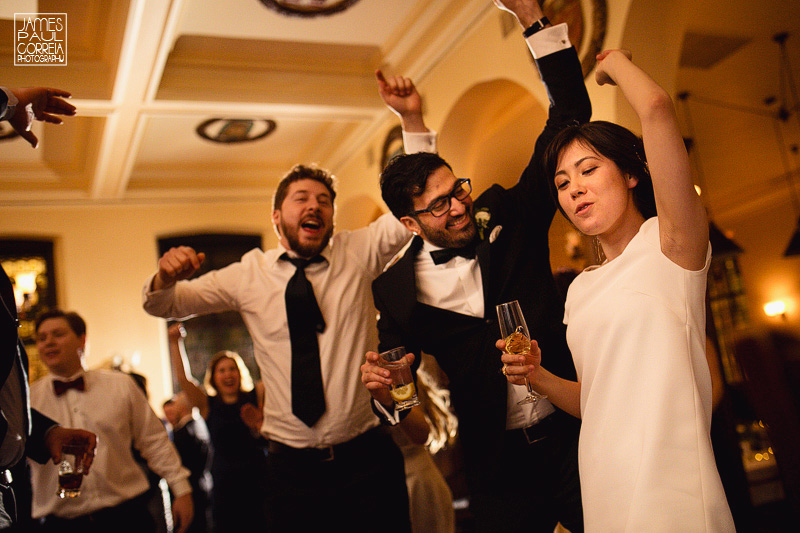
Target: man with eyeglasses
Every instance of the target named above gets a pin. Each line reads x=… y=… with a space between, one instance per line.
x=440 y=298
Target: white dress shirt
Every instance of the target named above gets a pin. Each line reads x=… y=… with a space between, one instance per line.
x=115 y=409
x=256 y=286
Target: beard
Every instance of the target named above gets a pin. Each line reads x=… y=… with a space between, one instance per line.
x=445 y=238
x=307 y=249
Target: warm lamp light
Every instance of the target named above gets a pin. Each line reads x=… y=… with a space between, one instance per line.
x=775 y=308
x=25 y=282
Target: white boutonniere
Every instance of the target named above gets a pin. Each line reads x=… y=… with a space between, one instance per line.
x=495 y=232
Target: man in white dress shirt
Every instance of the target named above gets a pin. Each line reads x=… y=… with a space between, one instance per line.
x=110 y=404
x=329 y=461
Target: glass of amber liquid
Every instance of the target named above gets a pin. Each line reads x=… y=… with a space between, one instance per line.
x=70 y=470
x=518 y=341
x=402 y=389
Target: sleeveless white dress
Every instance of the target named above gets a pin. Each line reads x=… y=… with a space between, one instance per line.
x=636 y=328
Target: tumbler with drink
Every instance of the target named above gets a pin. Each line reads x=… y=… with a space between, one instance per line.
x=402 y=389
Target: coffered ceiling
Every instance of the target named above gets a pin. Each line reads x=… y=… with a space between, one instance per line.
x=145 y=74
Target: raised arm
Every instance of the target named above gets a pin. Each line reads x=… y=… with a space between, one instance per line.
x=682 y=219
x=34 y=103
x=180 y=366
x=401 y=96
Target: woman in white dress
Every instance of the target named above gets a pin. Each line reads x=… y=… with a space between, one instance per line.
x=636 y=323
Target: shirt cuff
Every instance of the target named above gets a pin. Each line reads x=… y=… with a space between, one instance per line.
x=549 y=40
x=415 y=142
x=393 y=418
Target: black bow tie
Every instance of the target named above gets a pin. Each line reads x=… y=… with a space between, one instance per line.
x=446 y=254
x=63 y=386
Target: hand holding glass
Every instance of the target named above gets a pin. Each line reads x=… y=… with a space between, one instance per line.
x=402 y=389
x=71 y=470
x=518 y=341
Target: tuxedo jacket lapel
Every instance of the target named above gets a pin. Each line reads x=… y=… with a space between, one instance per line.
x=484 y=260
x=398 y=284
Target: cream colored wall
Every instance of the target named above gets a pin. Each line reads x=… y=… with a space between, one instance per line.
x=103 y=256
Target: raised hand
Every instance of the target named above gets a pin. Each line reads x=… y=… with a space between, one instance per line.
x=176 y=332
x=38 y=103
x=526 y=11
x=601 y=74
x=399 y=94
x=177 y=264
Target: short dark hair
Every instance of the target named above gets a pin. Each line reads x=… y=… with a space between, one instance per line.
x=302 y=172
x=404 y=179
x=76 y=323
x=614 y=142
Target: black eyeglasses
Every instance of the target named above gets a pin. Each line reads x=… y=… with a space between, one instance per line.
x=441 y=205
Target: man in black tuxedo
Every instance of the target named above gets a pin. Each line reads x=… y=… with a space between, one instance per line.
x=521 y=461
x=24 y=431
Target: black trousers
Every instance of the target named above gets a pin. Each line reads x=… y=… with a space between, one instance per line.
x=537 y=483
x=131 y=516
x=358 y=486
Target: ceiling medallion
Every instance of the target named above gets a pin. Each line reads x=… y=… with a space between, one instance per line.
x=308 y=8
x=232 y=130
x=586 y=20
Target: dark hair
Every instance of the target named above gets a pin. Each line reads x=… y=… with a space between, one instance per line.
x=405 y=177
x=614 y=142
x=76 y=323
x=302 y=172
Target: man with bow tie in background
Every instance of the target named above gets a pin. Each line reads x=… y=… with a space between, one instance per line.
x=24 y=431
x=110 y=404
x=440 y=297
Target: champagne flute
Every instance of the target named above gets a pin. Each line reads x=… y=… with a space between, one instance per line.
x=518 y=341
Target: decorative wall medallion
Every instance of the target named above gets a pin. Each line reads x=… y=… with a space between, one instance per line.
x=392 y=146
x=308 y=8
x=586 y=20
x=229 y=131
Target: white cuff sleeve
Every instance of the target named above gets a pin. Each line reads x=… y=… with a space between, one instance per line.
x=392 y=418
x=415 y=142
x=549 y=40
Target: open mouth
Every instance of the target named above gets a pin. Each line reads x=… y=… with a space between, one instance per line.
x=583 y=208
x=312 y=224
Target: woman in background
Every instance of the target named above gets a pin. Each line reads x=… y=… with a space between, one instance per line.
x=232 y=409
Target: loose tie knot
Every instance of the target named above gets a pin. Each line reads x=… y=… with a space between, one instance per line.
x=305 y=321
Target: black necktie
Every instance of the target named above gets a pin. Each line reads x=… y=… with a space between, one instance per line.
x=305 y=321
x=61 y=387
x=446 y=254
